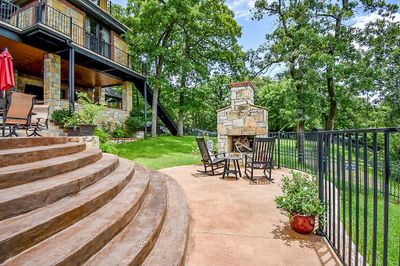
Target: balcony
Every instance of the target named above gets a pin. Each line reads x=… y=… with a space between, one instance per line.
x=30 y=16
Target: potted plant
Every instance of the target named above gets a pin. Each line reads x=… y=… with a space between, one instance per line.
x=301 y=201
x=81 y=123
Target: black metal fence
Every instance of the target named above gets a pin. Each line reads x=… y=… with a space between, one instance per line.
x=359 y=184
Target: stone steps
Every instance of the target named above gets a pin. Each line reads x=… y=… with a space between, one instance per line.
x=170 y=239
x=23 y=231
x=137 y=239
x=23 y=198
x=24 y=173
x=33 y=154
x=25 y=142
x=88 y=208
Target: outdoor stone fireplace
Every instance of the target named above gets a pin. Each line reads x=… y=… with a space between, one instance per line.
x=242 y=120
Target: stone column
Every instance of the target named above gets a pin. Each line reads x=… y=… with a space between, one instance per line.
x=52 y=80
x=100 y=95
x=127 y=96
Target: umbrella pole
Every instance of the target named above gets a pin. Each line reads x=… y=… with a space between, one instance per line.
x=4 y=114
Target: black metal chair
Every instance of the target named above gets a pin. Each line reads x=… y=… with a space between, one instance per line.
x=209 y=158
x=261 y=158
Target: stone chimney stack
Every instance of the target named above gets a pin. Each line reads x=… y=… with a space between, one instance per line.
x=242 y=93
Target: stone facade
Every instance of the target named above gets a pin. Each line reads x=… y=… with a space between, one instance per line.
x=120 y=50
x=52 y=80
x=127 y=96
x=241 y=118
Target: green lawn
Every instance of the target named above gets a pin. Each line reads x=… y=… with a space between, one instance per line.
x=161 y=152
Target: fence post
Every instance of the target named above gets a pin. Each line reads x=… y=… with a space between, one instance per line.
x=279 y=149
x=321 y=172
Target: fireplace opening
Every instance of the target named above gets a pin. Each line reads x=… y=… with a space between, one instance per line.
x=241 y=144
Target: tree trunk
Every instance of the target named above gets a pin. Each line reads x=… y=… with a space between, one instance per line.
x=300 y=141
x=154 y=114
x=181 y=114
x=330 y=120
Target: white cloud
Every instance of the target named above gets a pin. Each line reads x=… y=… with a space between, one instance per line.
x=241 y=7
x=361 y=21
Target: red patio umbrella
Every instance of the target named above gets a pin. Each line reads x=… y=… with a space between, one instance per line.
x=6 y=76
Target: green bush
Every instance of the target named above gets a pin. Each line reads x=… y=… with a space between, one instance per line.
x=108 y=147
x=102 y=134
x=134 y=124
x=87 y=115
x=61 y=116
x=300 y=195
x=120 y=132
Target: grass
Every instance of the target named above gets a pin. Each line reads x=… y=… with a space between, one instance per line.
x=161 y=152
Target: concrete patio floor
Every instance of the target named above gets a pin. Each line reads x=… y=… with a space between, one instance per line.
x=236 y=223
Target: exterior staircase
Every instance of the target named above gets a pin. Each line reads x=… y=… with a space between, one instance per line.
x=63 y=204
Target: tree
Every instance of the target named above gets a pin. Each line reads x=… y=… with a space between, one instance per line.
x=182 y=42
x=286 y=45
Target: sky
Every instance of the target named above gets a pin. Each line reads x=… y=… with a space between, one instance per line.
x=253 y=31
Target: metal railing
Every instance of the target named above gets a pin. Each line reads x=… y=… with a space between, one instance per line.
x=53 y=18
x=359 y=183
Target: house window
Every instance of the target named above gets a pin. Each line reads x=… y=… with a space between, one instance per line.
x=97 y=38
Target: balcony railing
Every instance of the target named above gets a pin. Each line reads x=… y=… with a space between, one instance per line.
x=42 y=13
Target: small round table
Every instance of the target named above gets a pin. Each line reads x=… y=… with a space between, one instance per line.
x=236 y=166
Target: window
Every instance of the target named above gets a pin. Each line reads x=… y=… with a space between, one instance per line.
x=97 y=38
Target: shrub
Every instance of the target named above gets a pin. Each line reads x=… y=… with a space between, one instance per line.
x=102 y=134
x=61 y=116
x=120 y=132
x=108 y=147
x=300 y=195
x=90 y=111
x=134 y=124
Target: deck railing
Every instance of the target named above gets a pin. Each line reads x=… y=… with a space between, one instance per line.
x=359 y=181
x=40 y=12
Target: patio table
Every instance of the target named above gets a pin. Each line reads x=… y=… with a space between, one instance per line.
x=236 y=167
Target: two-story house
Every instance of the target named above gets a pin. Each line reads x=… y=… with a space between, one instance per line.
x=61 y=47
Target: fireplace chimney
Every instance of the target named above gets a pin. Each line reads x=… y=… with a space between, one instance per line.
x=242 y=93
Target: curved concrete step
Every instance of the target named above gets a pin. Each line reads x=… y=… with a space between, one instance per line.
x=26 y=197
x=132 y=245
x=26 y=230
x=24 y=142
x=171 y=245
x=24 y=173
x=33 y=154
x=80 y=241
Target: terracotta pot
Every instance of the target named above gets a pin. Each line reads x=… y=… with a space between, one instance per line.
x=302 y=224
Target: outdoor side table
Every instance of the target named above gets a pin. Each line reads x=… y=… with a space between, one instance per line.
x=236 y=167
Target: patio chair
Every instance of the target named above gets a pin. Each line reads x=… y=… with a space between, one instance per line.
x=261 y=158
x=18 y=114
x=209 y=158
x=39 y=120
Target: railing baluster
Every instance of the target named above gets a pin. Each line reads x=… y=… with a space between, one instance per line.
x=357 y=197
x=375 y=184
x=350 y=186
x=386 y=198
x=366 y=192
x=344 y=193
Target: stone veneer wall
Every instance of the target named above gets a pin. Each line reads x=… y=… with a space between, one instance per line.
x=112 y=116
x=241 y=118
x=120 y=50
x=52 y=80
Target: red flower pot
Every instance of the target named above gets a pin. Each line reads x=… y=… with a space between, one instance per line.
x=302 y=224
